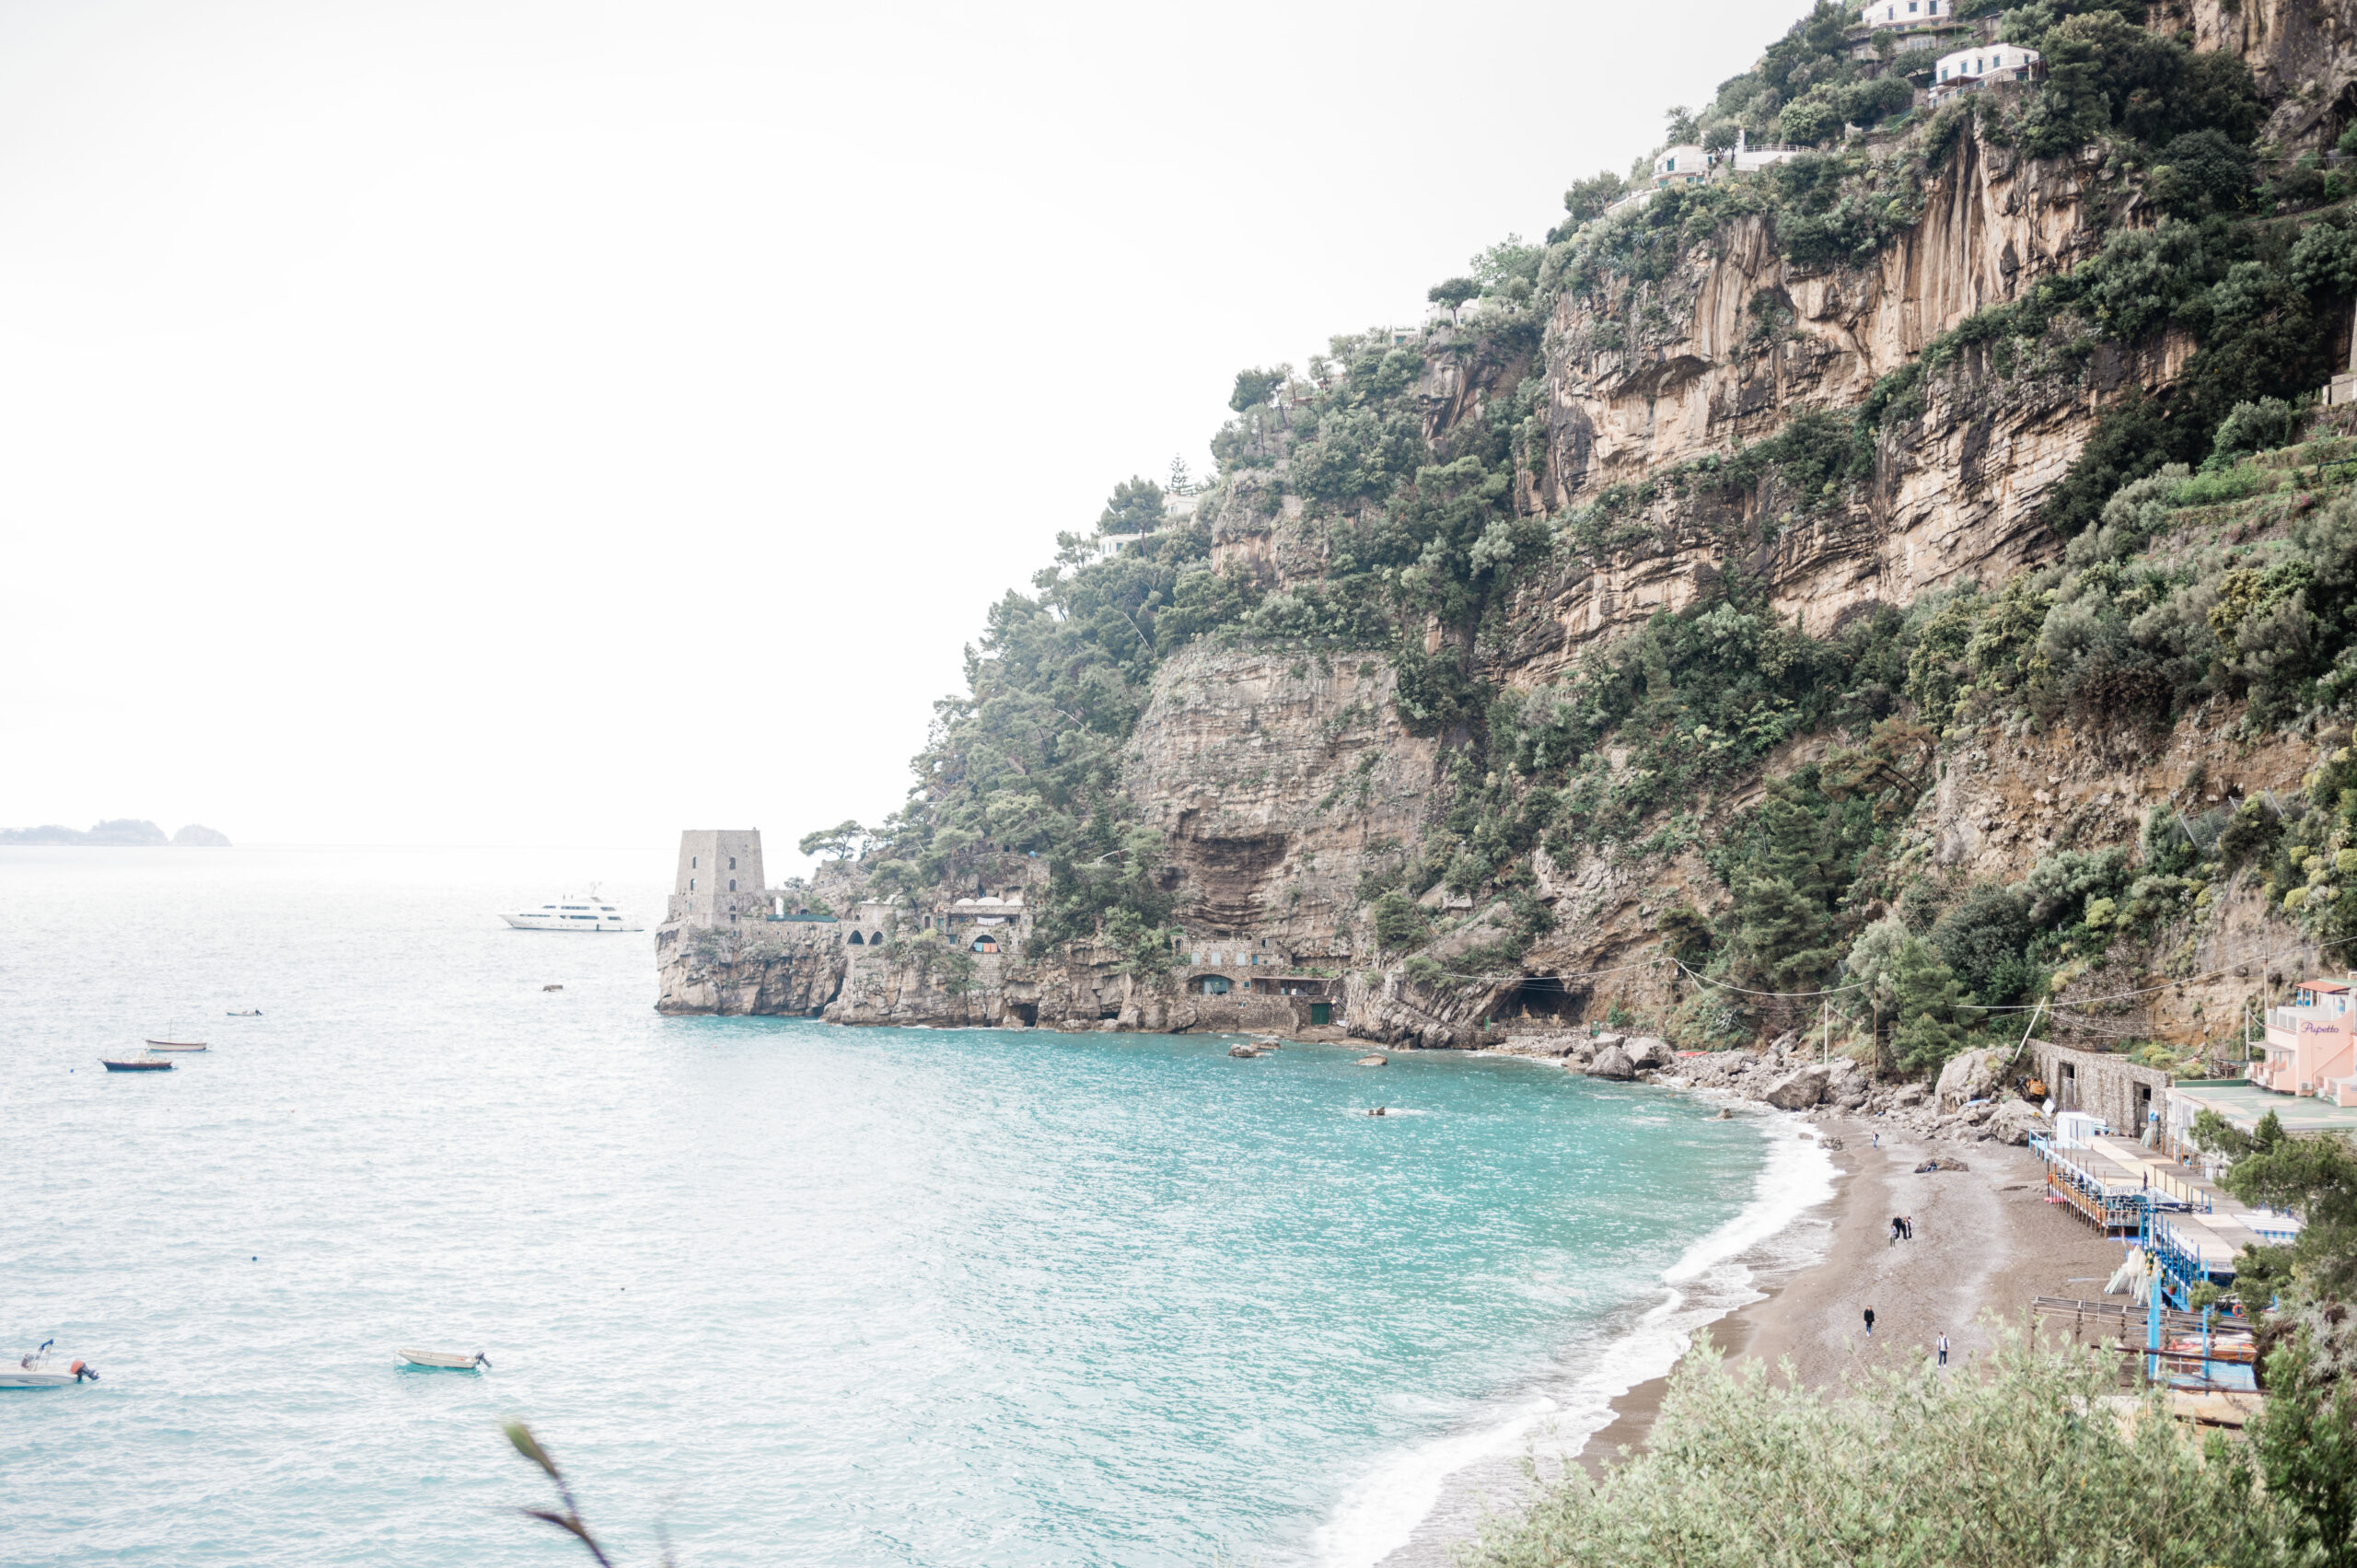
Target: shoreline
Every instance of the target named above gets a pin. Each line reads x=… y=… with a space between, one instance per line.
x=1986 y=1240
x=1473 y=1471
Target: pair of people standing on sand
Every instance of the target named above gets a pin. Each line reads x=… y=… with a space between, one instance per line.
x=1941 y=1347
x=1902 y=1228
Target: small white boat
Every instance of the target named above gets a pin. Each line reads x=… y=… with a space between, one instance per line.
x=446 y=1360
x=177 y=1045
x=40 y=1370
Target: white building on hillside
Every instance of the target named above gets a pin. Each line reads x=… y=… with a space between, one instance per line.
x=1681 y=164
x=1982 y=64
x=1906 y=12
x=1747 y=160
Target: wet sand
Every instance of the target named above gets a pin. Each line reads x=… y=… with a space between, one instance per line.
x=1985 y=1238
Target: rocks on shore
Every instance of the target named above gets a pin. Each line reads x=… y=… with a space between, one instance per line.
x=1614 y=1064
x=1972 y=1076
x=1373 y=1061
x=1968 y=1104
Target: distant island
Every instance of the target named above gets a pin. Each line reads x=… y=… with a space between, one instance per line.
x=118 y=832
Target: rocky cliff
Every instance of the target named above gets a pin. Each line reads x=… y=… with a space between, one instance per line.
x=1737 y=340
x=1309 y=788
x=1277 y=778
x=782 y=969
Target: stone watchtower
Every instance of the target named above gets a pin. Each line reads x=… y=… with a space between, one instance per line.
x=720 y=876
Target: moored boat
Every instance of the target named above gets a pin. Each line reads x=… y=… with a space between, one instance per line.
x=578 y=912
x=446 y=1360
x=177 y=1045
x=113 y=1066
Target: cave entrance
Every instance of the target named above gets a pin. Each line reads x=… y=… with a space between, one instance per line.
x=1545 y=996
x=1027 y=1011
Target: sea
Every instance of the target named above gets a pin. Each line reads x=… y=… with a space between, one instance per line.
x=770 y=1291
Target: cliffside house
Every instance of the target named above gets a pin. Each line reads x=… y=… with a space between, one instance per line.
x=1909 y=24
x=1745 y=158
x=1680 y=165
x=2310 y=1048
x=865 y=927
x=986 y=923
x=1983 y=64
x=1907 y=14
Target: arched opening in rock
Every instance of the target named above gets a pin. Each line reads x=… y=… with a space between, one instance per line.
x=1544 y=996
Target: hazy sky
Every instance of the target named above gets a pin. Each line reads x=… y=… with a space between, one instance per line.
x=565 y=423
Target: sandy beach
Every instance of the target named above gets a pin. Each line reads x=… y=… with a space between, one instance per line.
x=1985 y=1239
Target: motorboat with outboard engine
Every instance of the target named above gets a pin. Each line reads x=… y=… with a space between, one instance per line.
x=446 y=1360
x=40 y=1370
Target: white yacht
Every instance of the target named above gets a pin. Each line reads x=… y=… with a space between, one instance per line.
x=574 y=913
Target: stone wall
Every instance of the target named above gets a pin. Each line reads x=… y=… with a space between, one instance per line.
x=2113 y=1087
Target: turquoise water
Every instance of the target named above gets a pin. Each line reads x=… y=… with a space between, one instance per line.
x=790 y=1292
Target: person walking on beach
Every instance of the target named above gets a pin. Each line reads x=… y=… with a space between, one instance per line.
x=1870 y=1322
x=1897 y=1226
x=1907 y=1228
x=1944 y=1350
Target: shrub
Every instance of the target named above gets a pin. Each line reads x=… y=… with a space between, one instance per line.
x=1812 y=122
x=1399 y=922
x=1913 y=1467
x=2059 y=884
x=2254 y=427
x=2200 y=172
x=1984 y=937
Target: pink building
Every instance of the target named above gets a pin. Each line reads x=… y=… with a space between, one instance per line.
x=2309 y=1044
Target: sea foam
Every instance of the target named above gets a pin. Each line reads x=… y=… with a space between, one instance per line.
x=1417 y=1501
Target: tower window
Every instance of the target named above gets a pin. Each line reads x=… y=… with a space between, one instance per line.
x=692 y=863
x=692 y=884
x=732 y=863
x=732 y=884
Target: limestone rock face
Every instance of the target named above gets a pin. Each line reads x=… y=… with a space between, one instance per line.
x=1958 y=499
x=1272 y=776
x=1612 y=1062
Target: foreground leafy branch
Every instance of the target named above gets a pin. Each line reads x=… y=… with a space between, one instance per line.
x=569 y=1520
